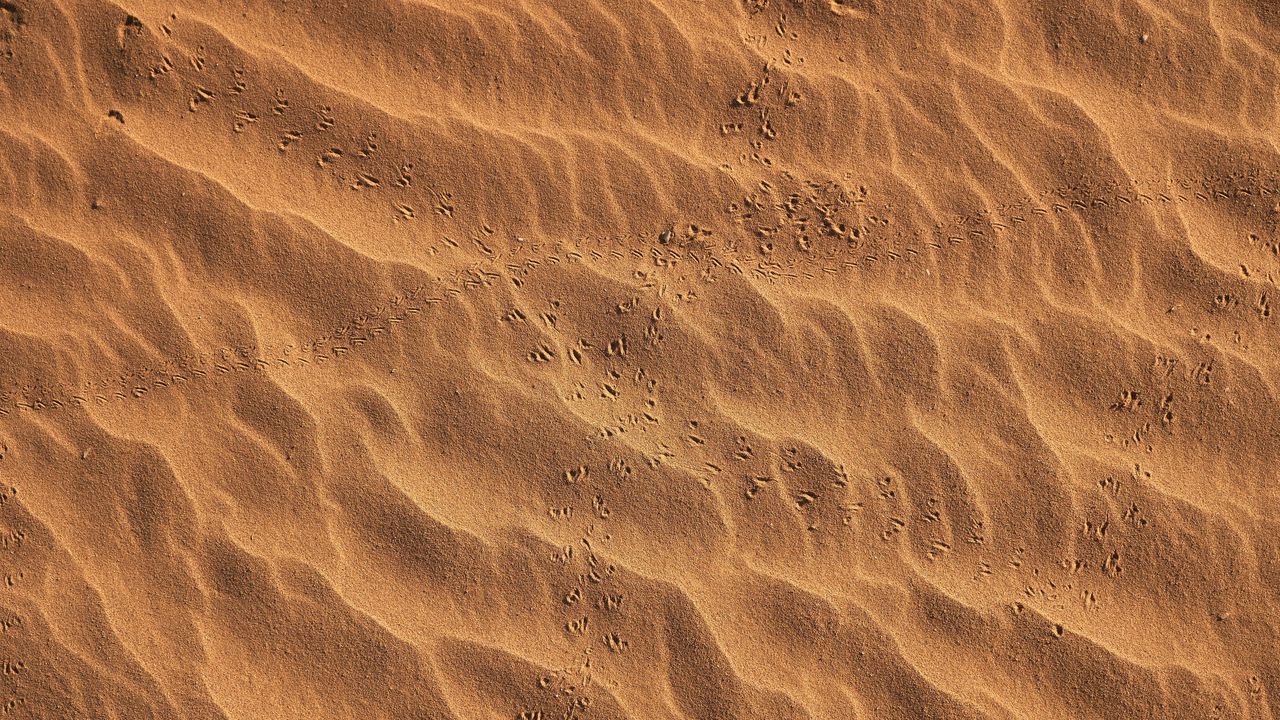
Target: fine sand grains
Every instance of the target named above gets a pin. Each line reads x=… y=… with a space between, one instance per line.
x=572 y=360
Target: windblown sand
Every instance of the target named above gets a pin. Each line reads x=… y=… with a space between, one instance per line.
x=522 y=360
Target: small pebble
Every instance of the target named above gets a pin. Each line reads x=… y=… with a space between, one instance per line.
x=1145 y=37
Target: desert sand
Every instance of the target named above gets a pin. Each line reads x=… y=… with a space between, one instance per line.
x=688 y=359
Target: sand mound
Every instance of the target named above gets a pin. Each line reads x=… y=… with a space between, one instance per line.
x=731 y=359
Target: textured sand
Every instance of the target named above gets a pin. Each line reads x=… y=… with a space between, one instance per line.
x=661 y=359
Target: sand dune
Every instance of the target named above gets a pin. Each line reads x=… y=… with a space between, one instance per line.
x=731 y=359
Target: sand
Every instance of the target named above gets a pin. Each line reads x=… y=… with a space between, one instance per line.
x=517 y=360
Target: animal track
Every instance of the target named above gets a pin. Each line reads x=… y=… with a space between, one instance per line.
x=692 y=246
x=788 y=230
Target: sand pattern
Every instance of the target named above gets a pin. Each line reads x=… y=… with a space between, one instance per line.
x=573 y=360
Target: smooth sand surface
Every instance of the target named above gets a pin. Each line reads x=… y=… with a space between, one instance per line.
x=522 y=360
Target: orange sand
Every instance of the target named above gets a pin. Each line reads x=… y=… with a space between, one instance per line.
x=662 y=359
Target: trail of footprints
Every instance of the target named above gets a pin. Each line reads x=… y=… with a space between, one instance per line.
x=795 y=229
x=826 y=499
x=832 y=501
x=668 y=256
x=13 y=667
x=591 y=602
x=355 y=161
x=791 y=229
x=850 y=508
